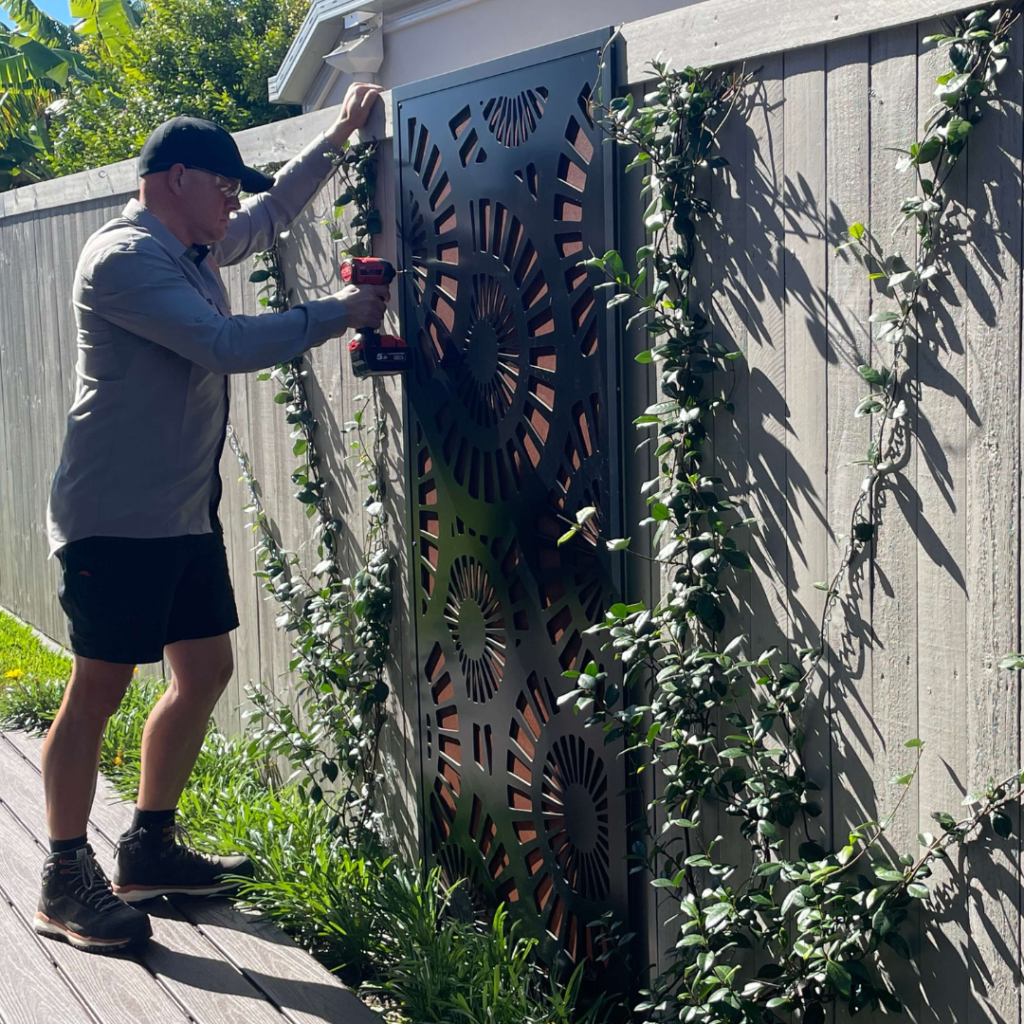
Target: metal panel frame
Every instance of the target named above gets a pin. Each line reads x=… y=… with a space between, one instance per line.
x=413 y=172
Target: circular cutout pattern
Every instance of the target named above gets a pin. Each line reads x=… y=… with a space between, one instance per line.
x=488 y=375
x=474 y=618
x=513 y=119
x=574 y=806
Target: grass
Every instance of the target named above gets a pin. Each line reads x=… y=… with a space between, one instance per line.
x=23 y=656
x=380 y=925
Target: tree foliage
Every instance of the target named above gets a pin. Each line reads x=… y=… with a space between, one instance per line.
x=206 y=58
x=37 y=59
x=81 y=96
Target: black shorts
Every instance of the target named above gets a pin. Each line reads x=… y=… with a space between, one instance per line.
x=126 y=599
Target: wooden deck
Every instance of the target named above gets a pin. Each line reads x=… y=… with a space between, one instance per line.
x=206 y=962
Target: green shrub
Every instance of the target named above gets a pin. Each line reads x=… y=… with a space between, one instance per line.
x=22 y=655
x=28 y=702
x=444 y=969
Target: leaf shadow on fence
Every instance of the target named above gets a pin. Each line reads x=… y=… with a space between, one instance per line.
x=757 y=288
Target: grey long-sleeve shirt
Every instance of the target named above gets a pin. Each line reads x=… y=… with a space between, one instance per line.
x=156 y=340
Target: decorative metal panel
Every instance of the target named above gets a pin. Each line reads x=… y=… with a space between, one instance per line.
x=504 y=187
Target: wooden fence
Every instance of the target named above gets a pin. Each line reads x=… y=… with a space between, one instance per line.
x=916 y=646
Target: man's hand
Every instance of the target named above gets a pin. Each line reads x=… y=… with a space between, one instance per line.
x=365 y=304
x=355 y=111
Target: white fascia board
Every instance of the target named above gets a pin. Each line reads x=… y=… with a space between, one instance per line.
x=725 y=31
x=316 y=37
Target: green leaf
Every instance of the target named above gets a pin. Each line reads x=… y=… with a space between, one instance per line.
x=618 y=544
x=586 y=514
x=856 y=231
x=882 y=921
x=886 y=873
x=739 y=559
x=929 y=150
x=918 y=891
x=702 y=557
x=644 y=357
x=796 y=900
x=957 y=130
x=879 y=378
x=1002 y=824
x=949 y=92
x=838 y=977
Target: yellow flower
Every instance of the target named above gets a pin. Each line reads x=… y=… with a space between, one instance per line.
x=117 y=760
x=135 y=671
x=117 y=756
x=14 y=673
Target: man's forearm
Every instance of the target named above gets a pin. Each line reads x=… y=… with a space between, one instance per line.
x=339 y=134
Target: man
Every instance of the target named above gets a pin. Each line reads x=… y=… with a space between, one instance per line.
x=133 y=508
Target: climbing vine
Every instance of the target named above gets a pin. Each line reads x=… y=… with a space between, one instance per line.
x=339 y=624
x=723 y=731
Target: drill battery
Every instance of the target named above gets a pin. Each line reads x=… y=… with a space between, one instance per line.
x=374 y=353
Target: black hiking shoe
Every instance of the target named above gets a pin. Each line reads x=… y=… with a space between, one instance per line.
x=158 y=861
x=77 y=906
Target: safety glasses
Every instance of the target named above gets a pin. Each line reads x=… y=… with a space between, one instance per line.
x=228 y=187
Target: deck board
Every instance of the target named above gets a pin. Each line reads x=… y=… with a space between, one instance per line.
x=32 y=986
x=209 y=961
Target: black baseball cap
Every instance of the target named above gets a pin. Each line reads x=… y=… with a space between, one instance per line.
x=201 y=144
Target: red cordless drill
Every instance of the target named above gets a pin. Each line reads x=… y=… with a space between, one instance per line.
x=372 y=352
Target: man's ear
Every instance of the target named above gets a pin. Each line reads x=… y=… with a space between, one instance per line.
x=175 y=176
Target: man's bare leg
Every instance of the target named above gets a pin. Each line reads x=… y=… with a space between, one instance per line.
x=73 y=907
x=152 y=858
x=176 y=727
x=71 y=754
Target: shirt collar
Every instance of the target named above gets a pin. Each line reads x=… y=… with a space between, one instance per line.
x=138 y=214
